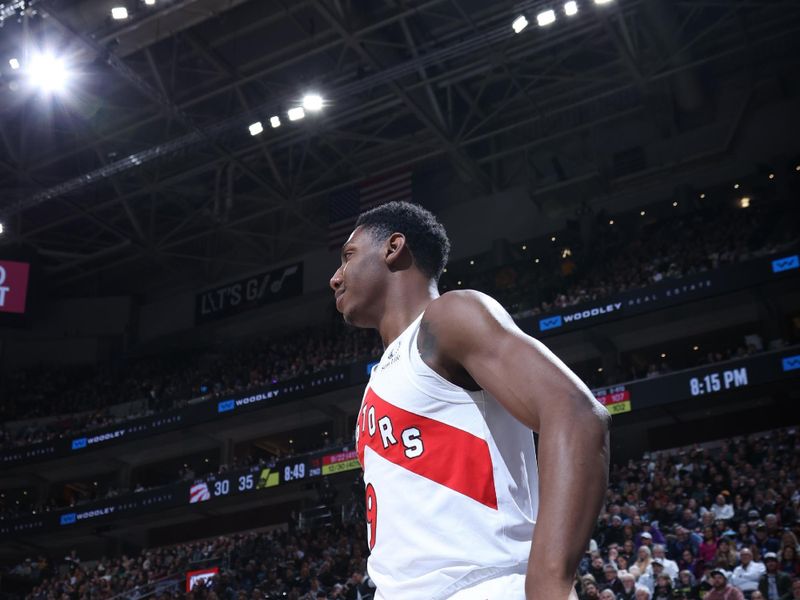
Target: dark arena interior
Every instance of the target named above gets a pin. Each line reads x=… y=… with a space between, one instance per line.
x=179 y=393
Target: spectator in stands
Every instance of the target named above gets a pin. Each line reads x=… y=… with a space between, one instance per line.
x=720 y=588
x=686 y=586
x=608 y=595
x=789 y=563
x=628 y=591
x=744 y=535
x=795 y=589
x=643 y=558
x=748 y=573
x=774 y=584
x=614 y=533
x=590 y=591
x=642 y=593
x=663 y=587
x=765 y=542
x=725 y=557
x=721 y=509
x=610 y=579
x=670 y=566
x=708 y=549
x=650 y=579
x=685 y=539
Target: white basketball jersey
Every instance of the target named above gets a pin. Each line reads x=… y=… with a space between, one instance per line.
x=451 y=480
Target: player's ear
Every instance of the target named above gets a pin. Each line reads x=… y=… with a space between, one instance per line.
x=395 y=252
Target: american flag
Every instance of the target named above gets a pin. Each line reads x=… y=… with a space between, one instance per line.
x=199 y=493
x=345 y=205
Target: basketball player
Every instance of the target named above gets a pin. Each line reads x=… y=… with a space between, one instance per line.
x=456 y=508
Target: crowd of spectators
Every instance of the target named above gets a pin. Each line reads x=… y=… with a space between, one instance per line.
x=672 y=248
x=324 y=562
x=618 y=259
x=715 y=522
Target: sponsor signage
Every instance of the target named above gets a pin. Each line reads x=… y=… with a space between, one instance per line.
x=616 y=399
x=136 y=429
x=337 y=463
x=249 y=293
x=243 y=481
x=662 y=295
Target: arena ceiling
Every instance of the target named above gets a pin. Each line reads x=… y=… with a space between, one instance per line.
x=143 y=169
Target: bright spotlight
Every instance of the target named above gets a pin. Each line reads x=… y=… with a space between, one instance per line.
x=519 y=24
x=275 y=121
x=571 y=8
x=603 y=1
x=744 y=202
x=150 y=2
x=14 y=63
x=119 y=12
x=545 y=18
x=47 y=72
x=296 y=113
x=1 y=229
x=312 y=102
x=256 y=128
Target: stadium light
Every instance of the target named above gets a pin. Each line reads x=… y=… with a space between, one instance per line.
x=771 y=175
x=642 y=213
x=611 y=221
x=675 y=203
x=275 y=122
x=256 y=128
x=312 y=102
x=14 y=63
x=744 y=202
x=546 y=18
x=603 y=1
x=519 y=24
x=296 y=113
x=47 y=72
x=571 y=8
x=1 y=229
x=150 y=2
x=119 y=13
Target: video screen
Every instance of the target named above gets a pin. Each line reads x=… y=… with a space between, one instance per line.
x=13 y=286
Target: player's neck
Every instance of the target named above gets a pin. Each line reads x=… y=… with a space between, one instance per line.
x=402 y=305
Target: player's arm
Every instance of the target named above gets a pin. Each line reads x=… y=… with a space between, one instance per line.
x=471 y=340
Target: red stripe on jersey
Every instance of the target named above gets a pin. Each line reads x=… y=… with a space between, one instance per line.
x=442 y=453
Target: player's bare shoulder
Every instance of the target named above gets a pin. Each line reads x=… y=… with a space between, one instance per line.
x=460 y=314
x=455 y=323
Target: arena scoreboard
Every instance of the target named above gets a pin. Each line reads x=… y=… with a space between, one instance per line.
x=290 y=470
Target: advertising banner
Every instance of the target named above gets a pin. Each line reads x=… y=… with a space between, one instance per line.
x=662 y=295
x=249 y=293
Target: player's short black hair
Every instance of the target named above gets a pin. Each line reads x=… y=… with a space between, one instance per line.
x=425 y=235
